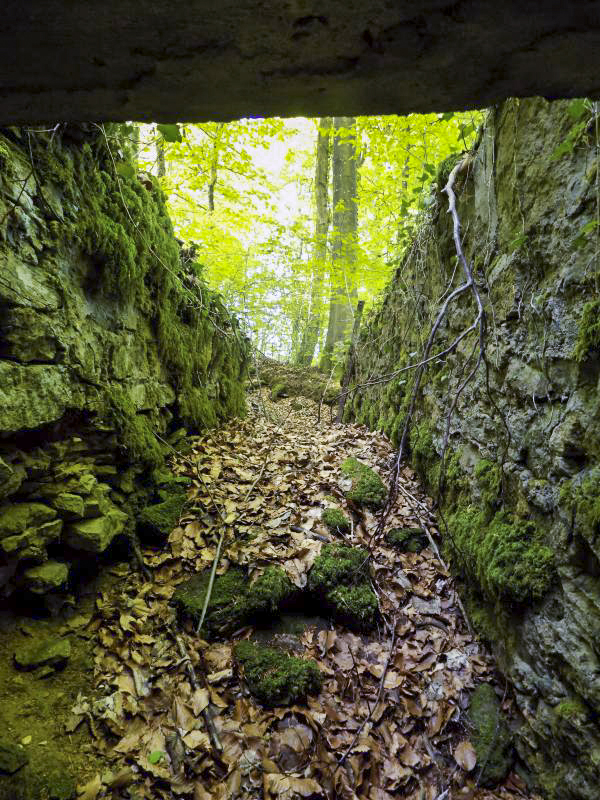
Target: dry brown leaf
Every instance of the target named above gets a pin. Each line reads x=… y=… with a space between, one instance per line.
x=465 y=756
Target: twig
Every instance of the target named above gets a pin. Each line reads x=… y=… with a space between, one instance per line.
x=191 y=672
x=377 y=701
x=139 y=558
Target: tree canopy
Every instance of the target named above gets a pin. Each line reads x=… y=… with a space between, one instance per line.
x=294 y=221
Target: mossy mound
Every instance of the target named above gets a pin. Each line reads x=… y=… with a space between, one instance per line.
x=279 y=390
x=157 y=521
x=336 y=520
x=367 y=487
x=407 y=540
x=12 y=757
x=51 y=782
x=49 y=652
x=340 y=579
x=233 y=602
x=490 y=736
x=276 y=678
x=506 y=556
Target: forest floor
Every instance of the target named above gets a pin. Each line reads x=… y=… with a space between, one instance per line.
x=390 y=719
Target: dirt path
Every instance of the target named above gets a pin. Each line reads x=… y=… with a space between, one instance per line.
x=390 y=718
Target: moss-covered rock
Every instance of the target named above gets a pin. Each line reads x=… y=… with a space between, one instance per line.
x=490 y=736
x=276 y=678
x=279 y=390
x=49 y=652
x=339 y=578
x=17 y=518
x=50 y=781
x=505 y=555
x=407 y=540
x=47 y=577
x=157 y=521
x=336 y=520
x=70 y=505
x=33 y=542
x=12 y=757
x=367 y=488
x=95 y=535
x=234 y=601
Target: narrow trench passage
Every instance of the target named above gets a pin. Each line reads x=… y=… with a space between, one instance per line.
x=387 y=714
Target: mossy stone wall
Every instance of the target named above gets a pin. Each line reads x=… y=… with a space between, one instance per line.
x=520 y=479
x=108 y=337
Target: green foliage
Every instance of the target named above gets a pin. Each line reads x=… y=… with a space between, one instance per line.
x=421 y=446
x=505 y=556
x=276 y=678
x=573 y=710
x=367 y=487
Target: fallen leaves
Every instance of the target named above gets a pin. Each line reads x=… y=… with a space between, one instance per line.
x=465 y=756
x=398 y=715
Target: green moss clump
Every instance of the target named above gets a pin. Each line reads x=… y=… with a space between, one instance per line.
x=489 y=477
x=340 y=580
x=276 y=678
x=268 y=593
x=227 y=606
x=421 y=447
x=588 y=338
x=233 y=602
x=490 y=736
x=572 y=710
x=336 y=520
x=583 y=502
x=407 y=540
x=279 y=390
x=355 y=606
x=505 y=556
x=445 y=168
x=158 y=521
x=367 y=487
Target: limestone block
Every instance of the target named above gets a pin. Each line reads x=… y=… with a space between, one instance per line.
x=46 y=577
x=47 y=652
x=17 y=518
x=95 y=535
x=32 y=543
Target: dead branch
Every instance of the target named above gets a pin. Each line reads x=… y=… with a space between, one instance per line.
x=191 y=673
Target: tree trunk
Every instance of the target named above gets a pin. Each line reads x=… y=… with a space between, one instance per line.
x=214 y=166
x=161 y=167
x=344 y=235
x=312 y=330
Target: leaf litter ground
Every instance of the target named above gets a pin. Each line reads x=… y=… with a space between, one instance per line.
x=390 y=719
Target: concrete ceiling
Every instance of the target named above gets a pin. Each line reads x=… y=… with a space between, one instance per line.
x=166 y=60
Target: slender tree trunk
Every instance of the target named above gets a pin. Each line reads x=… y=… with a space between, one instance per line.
x=311 y=333
x=214 y=166
x=344 y=235
x=161 y=167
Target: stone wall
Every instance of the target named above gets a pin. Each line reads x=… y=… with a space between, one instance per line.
x=108 y=336
x=518 y=492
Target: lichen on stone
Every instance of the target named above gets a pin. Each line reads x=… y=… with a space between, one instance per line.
x=276 y=678
x=367 y=488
